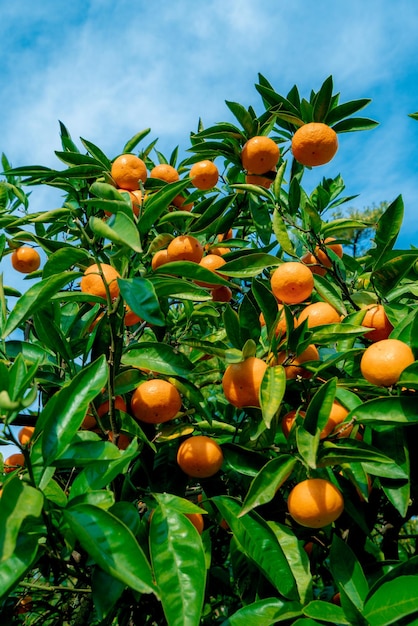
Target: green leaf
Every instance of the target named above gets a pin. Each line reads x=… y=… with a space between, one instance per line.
x=35 y=298
x=193 y=271
x=354 y=451
x=179 y=565
x=325 y=611
x=134 y=141
x=386 y=410
x=97 y=153
x=392 y=601
x=106 y=591
x=341 y=111
x=111 y=545
x=213 y=212
x=272 y=389
x=13 y=569
x=387 y=231
x=139 y=294
x=281 y=233
x=355 y=123
x=19 y=501
x=393 y=442
x=123 y=231
x=297 y=558
x=394 y=267
x=249 y=265
x=265 y=612
x=243 y=117
x=259 y=543
x=347 y=572
x=65 y=411
x=158 y=357
x=159 y=202
x=322 y=101
x=170 y=287
x=63 y=259
x=269 y=479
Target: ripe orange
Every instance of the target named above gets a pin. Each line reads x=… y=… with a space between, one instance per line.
x=137 y=198
x=204 y=175
x=13 y=462
x=315 y=503
x=123 y=440
x=159 y=258
x=289 y=419
x=155 y=401
x=92 y=281
x=181 y=203
x=337 y=415
x=211 y=262
x=127 y=170
x=119 y=405
x=225 y=236
x=322 y=256
x=312 y=262
x=259 y=179
x=185 y=248
x=314 y=144
x=293 y=365
x=89 y=422
x=25 y=434
x=259 y=155
x=131 y=318
x=200 y=456
x=319 y=313
x=165 y=172
x=376 y=319
x=292 y=282
x=221 y=294
x=197 y=521
x=25 y=259
x=383 y=362
x=241 y=382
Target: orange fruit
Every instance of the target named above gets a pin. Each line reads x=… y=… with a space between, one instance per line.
x=292 y=282
x=222 y=293
x=289 y=419
x=259 y=155
x=336 y=599
x=159 y=258
x=137 y=198
x=259 y=179
x=281 y=326
x=155 y=401
x=376 y=319
x=165 y=172
x=315 y=503
x=120 y=405
x=293 y=364
x=319 y=313
x=383 y=362
x=25 y=259
x=197 y=521
x=204 y=175
x=337 y=415
x=241 y=382
x=322 y=256
x=131 y=318
x=89 y=422
x=123 y=440
x=181 y=203
x=93 y=283
x=13 y=462
x=127 y=170
x=314 y=144
x=312 y=262
x=211 y=262
x=200 y=456
x=225 y=236
x=25 y=434
x=185 y=248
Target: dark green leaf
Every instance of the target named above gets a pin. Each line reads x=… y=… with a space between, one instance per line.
x=139 y=294
x=325 y=611
x=19 y=501
x=269 y=479
x=355 y=123
x=13 y=569
x=272 y=389
x=347 y=572
x=264 y=613
x=392 y=601
x=323 y=100
x=341 y=111
x=158 y=357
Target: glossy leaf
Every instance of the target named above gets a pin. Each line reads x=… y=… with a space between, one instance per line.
x=386 y=410
x=249 y=265
x=19 y=501
x=111 y=545
x=179 y=566
x=157 y=357
x=65 y=411
x=259 y=543
x=194 y=271
x=325 y=611
x=387 y=231
x=139 y=294
x=35 y=298
x=347 y=572
x=272 y=389
x=14 y=568
x=392 y=601
x=269 y=479
x=266 y=612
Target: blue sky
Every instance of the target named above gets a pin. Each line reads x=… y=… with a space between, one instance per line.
x=110 y=68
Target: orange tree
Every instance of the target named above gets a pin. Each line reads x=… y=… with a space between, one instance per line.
x=156 y=390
